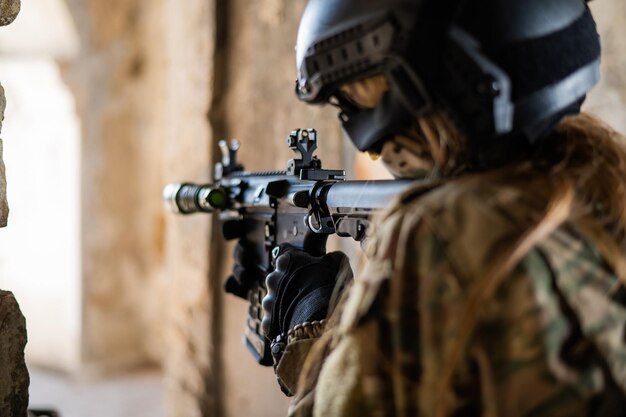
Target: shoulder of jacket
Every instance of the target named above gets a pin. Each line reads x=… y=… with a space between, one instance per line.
x=469 y=216
x=452 y=206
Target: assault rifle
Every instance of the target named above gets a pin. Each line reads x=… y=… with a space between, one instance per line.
x=301 y=206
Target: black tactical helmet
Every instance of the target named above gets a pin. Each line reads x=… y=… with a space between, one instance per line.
x=503 y=68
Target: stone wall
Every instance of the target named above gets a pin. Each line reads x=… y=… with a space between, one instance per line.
x=14 y=378
x=9 y=10
x=120 y=83
x=41 y=151
x=144 y=82
x=4 y=204
x=193 y=377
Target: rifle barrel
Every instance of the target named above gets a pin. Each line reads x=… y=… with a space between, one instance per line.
x=365 y=194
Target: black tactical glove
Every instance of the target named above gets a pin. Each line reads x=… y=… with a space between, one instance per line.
x=246 y=269
x=300 y=289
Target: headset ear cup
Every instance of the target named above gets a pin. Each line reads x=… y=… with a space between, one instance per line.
x=478 y=90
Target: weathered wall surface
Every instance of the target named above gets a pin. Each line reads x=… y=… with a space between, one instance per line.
x=143 y=83
x=608 y=99
x=192 y=374
x=14 y=378
x=4 y=205
x=119 y=80
x=9 y=10
x=41 y=151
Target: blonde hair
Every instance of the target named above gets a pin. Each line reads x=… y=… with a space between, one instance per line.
x=580 y=168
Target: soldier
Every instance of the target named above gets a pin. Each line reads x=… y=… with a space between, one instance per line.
x=495 y=286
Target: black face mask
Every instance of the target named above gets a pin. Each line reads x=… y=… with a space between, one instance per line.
x=399 y=108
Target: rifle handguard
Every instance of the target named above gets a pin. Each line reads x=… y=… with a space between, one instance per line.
x=301 y=207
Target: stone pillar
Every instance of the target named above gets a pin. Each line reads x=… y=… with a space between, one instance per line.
x=8 y=12
x=14 y=378
x=119 y=80
x=192 y=374
x=4 y=205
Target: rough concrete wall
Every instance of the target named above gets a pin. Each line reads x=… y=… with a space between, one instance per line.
x=261 y=107
x=9 y=10
x=608 y=99
x=143 y=85
x=192 y=373
x=119 y=80
x=14 y=378
x=4 y=205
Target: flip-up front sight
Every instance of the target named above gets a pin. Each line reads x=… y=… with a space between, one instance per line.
x=308 y=166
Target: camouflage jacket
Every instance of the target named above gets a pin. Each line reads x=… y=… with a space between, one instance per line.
x=430 y=329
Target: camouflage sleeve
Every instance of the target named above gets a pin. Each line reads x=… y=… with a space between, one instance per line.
x=518 y=349
x=374 y=366
x=290 y=366
x=594 y=303
x=503 y=369
x=402 y=320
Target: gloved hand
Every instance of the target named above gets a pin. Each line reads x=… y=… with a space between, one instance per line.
x=245 y=271
x=300 y=288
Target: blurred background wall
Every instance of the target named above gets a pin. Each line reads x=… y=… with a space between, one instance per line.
x=109 y=100
x=40 y=250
